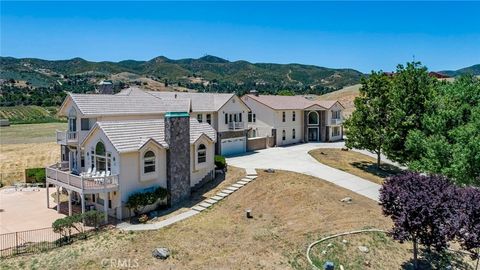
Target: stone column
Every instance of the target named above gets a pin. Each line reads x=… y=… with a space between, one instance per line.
x=177 y=136
x=105 y=205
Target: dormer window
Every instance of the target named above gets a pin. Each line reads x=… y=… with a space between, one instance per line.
x=202 y=153
x=200 y=118
x=149 y=162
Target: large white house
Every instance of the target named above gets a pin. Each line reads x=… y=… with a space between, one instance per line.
x=136 y=141
x=293 y=119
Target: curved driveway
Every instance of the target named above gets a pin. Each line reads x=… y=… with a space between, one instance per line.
x=295 y=158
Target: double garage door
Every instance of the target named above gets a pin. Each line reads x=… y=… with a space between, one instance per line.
x=233 y=146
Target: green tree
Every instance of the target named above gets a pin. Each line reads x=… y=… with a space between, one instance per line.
x=449 y=142
x=286 y=92
x=368 y=123
x=411 y=91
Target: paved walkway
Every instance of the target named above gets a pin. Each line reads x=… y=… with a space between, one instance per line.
x=295 y=158
x=251 y=175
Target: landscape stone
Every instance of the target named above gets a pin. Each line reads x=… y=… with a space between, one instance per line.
x=217 y=198
x=161 y=253
x=346 y=199
x=198 y=208
x=363 y=249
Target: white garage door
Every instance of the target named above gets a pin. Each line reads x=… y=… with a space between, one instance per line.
x=233 y=146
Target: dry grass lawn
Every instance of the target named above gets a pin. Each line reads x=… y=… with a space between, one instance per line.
x=290 y=210
x=27 y=146
x=355 y=163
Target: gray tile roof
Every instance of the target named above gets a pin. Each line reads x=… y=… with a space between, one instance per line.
x=131 y=135
x=289 y=102
x=201 y=102
x=94 y=105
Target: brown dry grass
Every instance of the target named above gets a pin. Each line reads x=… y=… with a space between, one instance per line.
x=290 y=211
x=355 y=163
x=346 y=96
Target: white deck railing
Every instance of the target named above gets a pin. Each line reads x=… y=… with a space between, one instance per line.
x=64 y=137
x=235 y=125
x=55 y=173
x=336 y=121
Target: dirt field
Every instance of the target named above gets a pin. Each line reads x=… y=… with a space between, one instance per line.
x=355 y=163
x=290 y=210
x=27 y=146
x=345 y=96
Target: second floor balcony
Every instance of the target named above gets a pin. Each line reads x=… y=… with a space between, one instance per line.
x=86 y=184
x=337 y=121
x=67 y=137
x=235 y=125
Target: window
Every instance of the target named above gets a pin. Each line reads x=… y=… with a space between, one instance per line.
x=85 y=124
x=283 y=116
x=230 y=118
x=293 y=116
x=313 y=118
x=249 y=117
x=200 y=118
x=202 y=153
x=149 y=162
x=209 y=119
x=293 y=133
x=336 y=114
x=240 y=117
x=254 y=118
x=235 y=117
x=226 y=119
x=254 y=133
x=100 y=149
x=284 y=136
x=82 y=159
x=335 y=131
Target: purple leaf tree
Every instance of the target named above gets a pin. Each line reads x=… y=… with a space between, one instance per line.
x=468 y=233
x=423 y=209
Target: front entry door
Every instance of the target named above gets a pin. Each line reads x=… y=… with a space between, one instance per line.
x=312 y=134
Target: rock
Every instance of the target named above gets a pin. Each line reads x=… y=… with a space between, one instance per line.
x=346 y=199
x=367 y=263
x=329 y=245
x=344 y=149
x=344 y=241
x=324 y=252
x=161 y=253
x=269 y=170
x=328 y=266
x=363 y=249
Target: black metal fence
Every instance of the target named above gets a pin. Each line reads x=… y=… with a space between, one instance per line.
x=32 y=241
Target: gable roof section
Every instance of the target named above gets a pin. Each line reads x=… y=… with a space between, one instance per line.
x=290 y=102
x=98 y=105
x=201 y=102
x=131 y=135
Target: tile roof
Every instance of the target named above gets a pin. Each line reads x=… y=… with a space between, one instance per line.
x=201 y=102
x=289 y=102
x=131 y=135
x=94 y=104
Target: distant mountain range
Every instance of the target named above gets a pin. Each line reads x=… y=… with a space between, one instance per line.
x=475 y=70
x=203 y=73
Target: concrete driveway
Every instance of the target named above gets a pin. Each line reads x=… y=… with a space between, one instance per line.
x=295 y=158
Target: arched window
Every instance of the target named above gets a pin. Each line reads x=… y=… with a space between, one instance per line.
x=284 y=135
x=202 y=153
x=313 y=118
x=149 y=162
x=100 y=157
x=100 y=149
x=293 y=133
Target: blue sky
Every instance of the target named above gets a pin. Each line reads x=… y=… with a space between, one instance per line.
x=360 y=35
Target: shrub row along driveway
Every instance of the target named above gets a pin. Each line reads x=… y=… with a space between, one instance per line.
x=295 y=158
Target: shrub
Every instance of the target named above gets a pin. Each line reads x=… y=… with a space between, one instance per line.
x=469 y=217
x=143 y=218
x=94 y=218
x=220 y=162
x=35 y=175
x=140 y=200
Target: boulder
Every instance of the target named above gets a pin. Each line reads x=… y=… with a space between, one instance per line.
x=270 y=170
x=161 y=253
x=346 y=200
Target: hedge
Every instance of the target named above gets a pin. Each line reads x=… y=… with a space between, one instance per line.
x=220 y=162
x=35 y=175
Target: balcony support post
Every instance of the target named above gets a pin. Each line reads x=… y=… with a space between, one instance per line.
x=58 y=200
x=105 y=206
x=48 y=194
x=69 y=202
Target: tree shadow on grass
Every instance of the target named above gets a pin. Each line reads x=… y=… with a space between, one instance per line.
x=384 y=171
x=439 y=260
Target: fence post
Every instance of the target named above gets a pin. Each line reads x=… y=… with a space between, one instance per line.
x=16 y=243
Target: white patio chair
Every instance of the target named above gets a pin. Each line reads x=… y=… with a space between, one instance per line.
x=102 y=174
x=108 y=173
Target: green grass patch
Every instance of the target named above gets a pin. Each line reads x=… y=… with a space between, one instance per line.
x=30 y=114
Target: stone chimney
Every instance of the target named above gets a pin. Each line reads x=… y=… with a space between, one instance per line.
x=177 y=136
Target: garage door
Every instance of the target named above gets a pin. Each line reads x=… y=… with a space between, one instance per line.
x=233 y=146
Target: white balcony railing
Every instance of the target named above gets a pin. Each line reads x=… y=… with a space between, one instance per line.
x=64 y=137
x=84 y=183
x=235 y=125
x=336 y=121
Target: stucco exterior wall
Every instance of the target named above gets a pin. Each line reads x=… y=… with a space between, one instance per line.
x=200 y=170
x=288 y=126
x=234 y=105
x=265 y=119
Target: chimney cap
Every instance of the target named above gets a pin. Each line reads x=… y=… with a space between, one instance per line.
x=176 y=114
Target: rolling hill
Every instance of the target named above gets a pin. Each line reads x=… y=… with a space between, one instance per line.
x=474 y=70
x=191 y=73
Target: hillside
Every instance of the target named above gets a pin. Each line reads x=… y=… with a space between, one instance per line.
x=475 y=70
x=345 y=96
x=208 y=73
